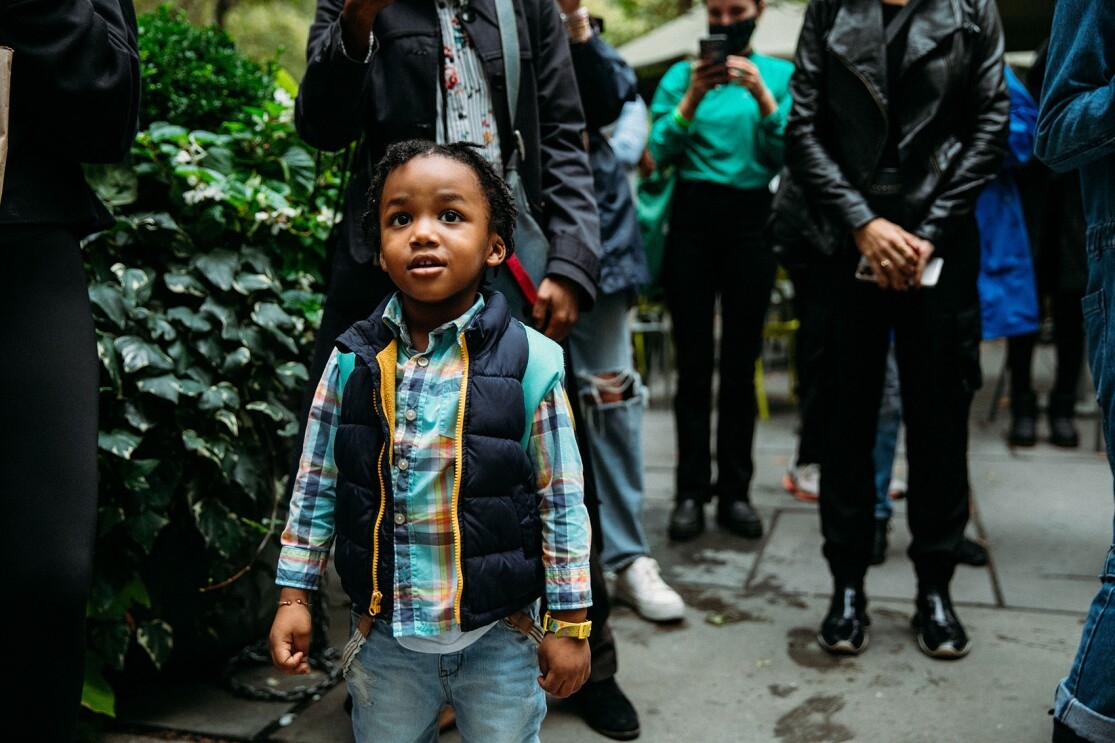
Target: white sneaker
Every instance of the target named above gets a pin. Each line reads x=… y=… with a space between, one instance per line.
x=803 y=481
x=640 y=586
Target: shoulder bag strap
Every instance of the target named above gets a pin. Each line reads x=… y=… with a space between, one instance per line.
x=509 y=36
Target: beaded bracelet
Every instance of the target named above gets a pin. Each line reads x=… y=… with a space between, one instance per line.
x=307 y=604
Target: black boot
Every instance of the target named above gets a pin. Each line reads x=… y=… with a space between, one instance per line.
x=1062 y=432
x=1023 y=419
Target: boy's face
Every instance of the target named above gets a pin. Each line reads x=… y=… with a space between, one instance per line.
x=435 y=243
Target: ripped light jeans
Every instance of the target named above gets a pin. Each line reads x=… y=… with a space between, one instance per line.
x=600 y=346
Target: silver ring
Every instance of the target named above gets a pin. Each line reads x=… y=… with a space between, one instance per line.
x=885 y=262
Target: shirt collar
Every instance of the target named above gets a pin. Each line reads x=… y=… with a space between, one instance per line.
x=393 y=318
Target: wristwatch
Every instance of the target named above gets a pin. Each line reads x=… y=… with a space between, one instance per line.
x=576 y=630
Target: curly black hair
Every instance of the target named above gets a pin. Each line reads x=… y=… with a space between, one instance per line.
x=502 y=211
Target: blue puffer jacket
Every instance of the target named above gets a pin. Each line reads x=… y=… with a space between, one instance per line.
x=497 y=531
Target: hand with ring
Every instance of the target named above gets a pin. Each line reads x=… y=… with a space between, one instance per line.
x=894 y=253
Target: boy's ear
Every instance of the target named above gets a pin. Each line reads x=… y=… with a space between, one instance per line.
x=497 y=251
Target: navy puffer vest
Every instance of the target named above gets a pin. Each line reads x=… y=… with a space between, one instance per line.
x=499 y=541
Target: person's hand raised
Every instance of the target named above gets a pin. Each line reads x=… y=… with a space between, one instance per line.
x=357 y=18
x=742 y=71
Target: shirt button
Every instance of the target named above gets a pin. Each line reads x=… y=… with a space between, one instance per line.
x=423 y=361
x=400 y=518
x=411 y=415
x=403 y=464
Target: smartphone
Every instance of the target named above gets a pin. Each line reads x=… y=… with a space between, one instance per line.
x=714 y=48
x=929 y=276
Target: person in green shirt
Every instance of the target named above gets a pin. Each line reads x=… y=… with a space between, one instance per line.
x=720 y=126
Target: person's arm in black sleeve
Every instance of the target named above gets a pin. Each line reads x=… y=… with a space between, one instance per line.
x=606 y=81
x=570 y=218
x=81 y=59
x=988 y=105
x=329 y=111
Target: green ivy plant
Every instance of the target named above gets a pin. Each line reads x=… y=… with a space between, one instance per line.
x=206 y=296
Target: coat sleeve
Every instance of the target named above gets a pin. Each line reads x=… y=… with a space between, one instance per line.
x=570 y=217
x=988 y=105
x=606 y=81
x=329 y=108
x=1076 y=123
x=81 y=59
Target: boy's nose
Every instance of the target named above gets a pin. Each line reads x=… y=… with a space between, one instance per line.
x=424 y=231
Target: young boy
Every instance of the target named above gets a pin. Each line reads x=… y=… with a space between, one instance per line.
x=451 y=514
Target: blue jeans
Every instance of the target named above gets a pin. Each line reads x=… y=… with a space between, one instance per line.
x=1086 y=697
x=492 y=686
x=601 y=344
x=886 y=438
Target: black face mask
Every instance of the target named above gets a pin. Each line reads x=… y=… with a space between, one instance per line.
x=738 y=33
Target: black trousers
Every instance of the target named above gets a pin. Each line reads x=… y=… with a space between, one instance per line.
x=715 y=250
x=936 y=339
x=355 y=290
x=811 y=356
x=48 y=453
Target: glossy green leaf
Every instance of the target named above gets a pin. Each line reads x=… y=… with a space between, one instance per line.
x=118 y=442
x=221 y=395
x=219 y=267
x=137 y=354
x=157 y=639
x=109 y=300
x=96 y=693
x=184 y=283
x=165 y=386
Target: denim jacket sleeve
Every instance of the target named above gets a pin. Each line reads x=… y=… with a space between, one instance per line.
x=1076 y=123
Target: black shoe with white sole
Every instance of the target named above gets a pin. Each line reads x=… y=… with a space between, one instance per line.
x=940 y=633
x=844 y=630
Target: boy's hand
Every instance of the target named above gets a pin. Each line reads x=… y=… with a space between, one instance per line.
x=565 y=663
x=290 y=636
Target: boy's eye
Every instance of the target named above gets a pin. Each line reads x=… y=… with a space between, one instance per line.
x=451 y=216
x=399 y=220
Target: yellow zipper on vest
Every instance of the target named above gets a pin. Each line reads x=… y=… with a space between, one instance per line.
x=459 y=458
x=387 y=359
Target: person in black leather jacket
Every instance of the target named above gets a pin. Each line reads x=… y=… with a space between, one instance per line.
x=74 y=99
x=887 y=147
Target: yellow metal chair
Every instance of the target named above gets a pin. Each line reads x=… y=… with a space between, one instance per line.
x=776 y=330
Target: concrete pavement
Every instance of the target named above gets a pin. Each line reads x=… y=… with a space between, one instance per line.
x=744 y=665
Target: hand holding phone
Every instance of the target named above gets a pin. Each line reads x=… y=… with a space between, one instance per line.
x=929 y=276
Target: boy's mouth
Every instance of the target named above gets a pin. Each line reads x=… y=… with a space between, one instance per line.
x=425 y=261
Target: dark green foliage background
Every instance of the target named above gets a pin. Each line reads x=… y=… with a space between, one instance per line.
x=206 y=296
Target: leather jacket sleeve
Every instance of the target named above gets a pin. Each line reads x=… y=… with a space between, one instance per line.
x=76 y=67
x=813 y=167
x=982 y=154
x=944 y=178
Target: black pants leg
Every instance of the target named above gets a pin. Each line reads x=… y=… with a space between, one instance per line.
x=937 y=337
x=48 y=405
x=716 y=251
